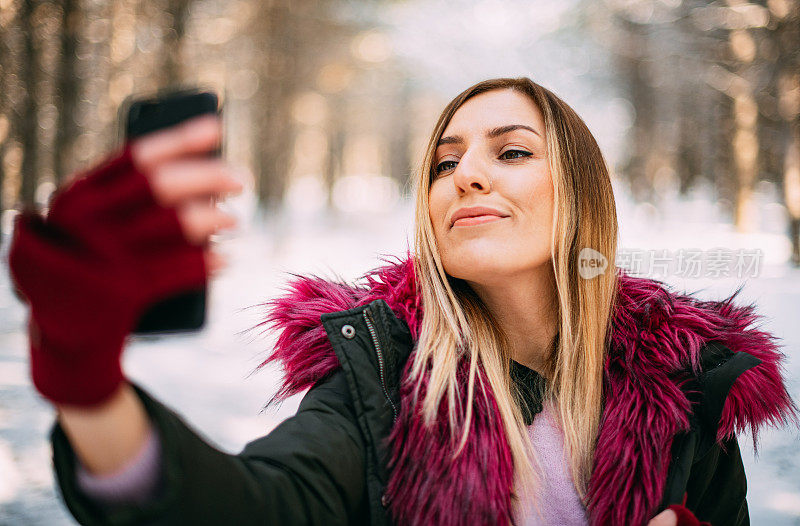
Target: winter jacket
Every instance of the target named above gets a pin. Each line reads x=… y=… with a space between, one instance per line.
x=682 y=377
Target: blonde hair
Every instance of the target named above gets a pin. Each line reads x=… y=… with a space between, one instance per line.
x=456 y=324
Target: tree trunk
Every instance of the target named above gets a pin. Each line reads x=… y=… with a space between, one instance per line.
x=5 y=117
x=29 y=122
x=275 y=131
x=688 y=158
x=791 y=187
x=68 y=90
x=178 y=11
x=399 y=137
x=745 y=158
x=643 y=100
x=334 y=165
x=785 y=87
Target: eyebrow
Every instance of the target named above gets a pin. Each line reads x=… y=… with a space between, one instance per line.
x=491 y=134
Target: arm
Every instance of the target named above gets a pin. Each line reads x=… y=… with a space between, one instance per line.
x=137 y=482
x=107 y=436
x=711 y=473
x=704 y=475
x=309 y=470
x=717 y=486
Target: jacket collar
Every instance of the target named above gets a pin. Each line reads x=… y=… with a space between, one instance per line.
x=656 y=334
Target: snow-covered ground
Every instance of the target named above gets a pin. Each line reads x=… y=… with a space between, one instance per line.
x=204 y=376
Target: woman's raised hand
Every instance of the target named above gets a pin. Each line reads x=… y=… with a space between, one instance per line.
x=131 y=231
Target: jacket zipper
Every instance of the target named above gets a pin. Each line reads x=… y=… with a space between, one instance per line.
x=381 y=368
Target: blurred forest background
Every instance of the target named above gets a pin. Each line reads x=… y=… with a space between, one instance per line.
x=334 y=98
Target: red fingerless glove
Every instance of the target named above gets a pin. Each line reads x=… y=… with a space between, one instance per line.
x=685 y=515
x=105 y=252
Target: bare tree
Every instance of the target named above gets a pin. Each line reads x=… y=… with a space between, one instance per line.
x=5 y=105
x=68 y=88
x=28 y=122
x=398 y=134
x=175 y=30
x=786 y=39
x=274 y=133
x=293 y=37
x=633 y=47
x=337 y=134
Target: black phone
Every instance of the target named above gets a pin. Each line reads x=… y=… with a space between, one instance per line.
x=186 y=311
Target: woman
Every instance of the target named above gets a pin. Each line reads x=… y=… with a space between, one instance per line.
x=485 y=380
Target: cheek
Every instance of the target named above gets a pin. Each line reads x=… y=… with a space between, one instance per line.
x=437 y=208
x=543 y=191
x=540 y=200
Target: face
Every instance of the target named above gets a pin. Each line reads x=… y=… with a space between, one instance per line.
x=493 y=154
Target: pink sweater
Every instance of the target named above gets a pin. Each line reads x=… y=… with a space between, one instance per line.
x=139 y=481
x=558 y=501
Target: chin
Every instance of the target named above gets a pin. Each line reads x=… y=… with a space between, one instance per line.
x=491 y=264
x=477 y=267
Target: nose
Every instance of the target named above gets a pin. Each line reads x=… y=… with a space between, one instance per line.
x=470 y=174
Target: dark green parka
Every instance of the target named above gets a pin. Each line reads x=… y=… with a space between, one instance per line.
x=341 y=458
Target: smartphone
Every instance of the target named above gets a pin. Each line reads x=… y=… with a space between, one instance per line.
x=184 y=312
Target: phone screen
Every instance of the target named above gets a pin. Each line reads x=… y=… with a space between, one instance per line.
x=149 y=115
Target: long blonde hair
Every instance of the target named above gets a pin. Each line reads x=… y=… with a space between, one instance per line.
x=457 y=325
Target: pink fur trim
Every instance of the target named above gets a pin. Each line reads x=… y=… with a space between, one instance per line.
x=302 y=347
x=428 y=485
x=656 y=334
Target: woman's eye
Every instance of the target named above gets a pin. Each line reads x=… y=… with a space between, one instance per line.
x=524 y=154
x=442 y=166
x=450 y=165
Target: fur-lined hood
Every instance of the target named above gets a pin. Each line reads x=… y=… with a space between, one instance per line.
x=656 y=335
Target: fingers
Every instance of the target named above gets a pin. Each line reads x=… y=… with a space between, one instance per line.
x=193 y=137
x=178 y=181
x=199 y=221
x=181 y=176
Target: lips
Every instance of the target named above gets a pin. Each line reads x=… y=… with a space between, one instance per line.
x=485 y=214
